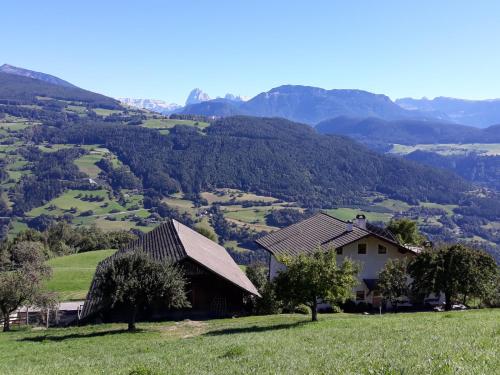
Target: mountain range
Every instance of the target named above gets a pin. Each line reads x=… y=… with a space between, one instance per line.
x=10 y=69
x=154 y=105
x=407 y=132
x=478 y=113
x=305 y=104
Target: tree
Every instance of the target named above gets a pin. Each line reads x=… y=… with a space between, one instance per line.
x=454 y=270
x=309 y=277
x=393 y=281
x=207 y=233
x=258 y=274
x=406 y=231
x=133 y=280
x=22 y=273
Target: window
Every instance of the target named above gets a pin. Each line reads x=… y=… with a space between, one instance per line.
x=360 y=295
x=382 y=249
x=340 y=250
x=361 y=248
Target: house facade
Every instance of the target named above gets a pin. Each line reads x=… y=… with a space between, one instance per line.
x=371 y=247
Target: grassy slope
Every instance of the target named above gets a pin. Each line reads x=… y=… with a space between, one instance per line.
x=420 y=343
x=73 y=274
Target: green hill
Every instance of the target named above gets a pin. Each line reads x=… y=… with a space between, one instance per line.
x=72 y=274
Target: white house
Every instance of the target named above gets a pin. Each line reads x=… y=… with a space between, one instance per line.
x=360 y=241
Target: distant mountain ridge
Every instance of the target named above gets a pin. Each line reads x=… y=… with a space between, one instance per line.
x=17 y=89
x=308 y=105
x=407 y=132
x=478 y=113
x=154 y=105
x=10 y=69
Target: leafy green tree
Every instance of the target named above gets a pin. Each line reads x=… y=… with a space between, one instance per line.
x=134 y=280
x=406 y=231
x=268 y=303
x=22 y=273
x=207 y=233
x=454 y=270
x=309 y=277
x=393 y=281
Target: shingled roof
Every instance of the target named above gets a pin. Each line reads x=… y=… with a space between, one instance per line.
x=175 y=241
x=321 y=230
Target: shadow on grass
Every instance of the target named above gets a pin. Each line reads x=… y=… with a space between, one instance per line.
x=71 y=336
x=255 y=329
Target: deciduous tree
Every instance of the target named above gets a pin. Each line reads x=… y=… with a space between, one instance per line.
x=393 y=281
x=454 y=270
x=310 y=277
x=22 y=273
x=134 y=280
x=406 y=231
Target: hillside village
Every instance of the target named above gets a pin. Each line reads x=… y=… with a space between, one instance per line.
x=299 y=230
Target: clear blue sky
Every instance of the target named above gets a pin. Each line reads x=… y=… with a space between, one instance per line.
x=163 y=49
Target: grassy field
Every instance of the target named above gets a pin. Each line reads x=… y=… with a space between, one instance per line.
x=162 y=123
x=490 y=149
x=350 y=213
x=419 y=343
x=73 y=274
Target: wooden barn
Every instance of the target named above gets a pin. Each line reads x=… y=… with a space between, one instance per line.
x=216 y=285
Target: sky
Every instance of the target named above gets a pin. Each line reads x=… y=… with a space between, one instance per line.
x=163 y=49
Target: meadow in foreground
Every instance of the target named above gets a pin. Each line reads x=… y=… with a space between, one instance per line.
x=420 y=343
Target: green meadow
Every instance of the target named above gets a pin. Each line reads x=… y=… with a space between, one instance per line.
x=418 y=343
x=72 y=274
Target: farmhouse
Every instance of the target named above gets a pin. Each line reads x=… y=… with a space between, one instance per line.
x=362 y=242
x=216 y=285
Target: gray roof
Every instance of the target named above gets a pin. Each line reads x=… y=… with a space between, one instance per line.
x=175 y=241
x=320 y=230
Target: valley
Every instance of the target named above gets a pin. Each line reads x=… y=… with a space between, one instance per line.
x=89 y=161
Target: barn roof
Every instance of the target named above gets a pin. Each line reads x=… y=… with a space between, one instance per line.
x=320 y=230
x=175 y=241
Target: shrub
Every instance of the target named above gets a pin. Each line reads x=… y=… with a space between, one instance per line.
x=302 y=309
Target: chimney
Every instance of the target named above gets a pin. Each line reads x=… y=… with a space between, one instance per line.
x=348 y=226
x=361 y=221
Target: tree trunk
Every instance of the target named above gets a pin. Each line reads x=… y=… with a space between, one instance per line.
x=447 y=303
x=131 y=322
x=314 y=310
x=6 y=322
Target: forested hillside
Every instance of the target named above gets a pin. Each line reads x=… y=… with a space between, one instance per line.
x=15 y=89
x=267 y=156
x=71 y=158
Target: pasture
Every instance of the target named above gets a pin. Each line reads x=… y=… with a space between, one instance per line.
x=419 y=343
x=72 y=274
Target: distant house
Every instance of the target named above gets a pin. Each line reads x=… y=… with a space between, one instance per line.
x=216 y=285
x=367 y=244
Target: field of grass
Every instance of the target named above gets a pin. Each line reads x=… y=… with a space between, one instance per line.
x=106 y=112
x=485 y=149
x=350 y=213
x=419 y=343
x=73 y=274
x=87 y=164
x=164 y=123
x=227 y=195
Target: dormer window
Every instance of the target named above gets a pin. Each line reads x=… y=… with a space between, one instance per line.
x=361 y=248
x=382 y=249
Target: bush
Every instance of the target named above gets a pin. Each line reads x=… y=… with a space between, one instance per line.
x=302 y=309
